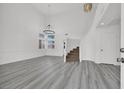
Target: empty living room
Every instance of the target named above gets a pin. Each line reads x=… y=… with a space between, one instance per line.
x=61 y=45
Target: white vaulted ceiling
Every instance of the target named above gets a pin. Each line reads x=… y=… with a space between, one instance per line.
x=112 y=15
x=67 y=17
x=71 y=18
x=57 y=8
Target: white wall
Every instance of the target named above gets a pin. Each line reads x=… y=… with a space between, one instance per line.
x=19 y=28
x=94 y=42
x=87 y=47
x=109 y=41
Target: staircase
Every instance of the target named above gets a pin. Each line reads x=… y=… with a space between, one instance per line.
x=73 y=55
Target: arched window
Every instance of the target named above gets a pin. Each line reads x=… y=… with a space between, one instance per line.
x=46 y=41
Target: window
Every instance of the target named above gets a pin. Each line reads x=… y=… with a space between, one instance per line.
x=41 y=41
x=46 y=41
x=51 y=41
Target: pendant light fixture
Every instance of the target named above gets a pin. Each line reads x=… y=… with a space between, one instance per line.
x=48 y=29
x=87 y=7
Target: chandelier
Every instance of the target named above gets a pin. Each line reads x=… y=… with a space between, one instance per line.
x=48 y=30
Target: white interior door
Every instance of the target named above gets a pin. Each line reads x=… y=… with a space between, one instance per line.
x=108 y=44
x=122 y=44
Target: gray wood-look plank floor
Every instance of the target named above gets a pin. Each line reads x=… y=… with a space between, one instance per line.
x=52 y=73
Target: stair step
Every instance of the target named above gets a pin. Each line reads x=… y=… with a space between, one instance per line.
x=70 y=57
x=73 y=55
x=73 y=50
x=71 y=60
